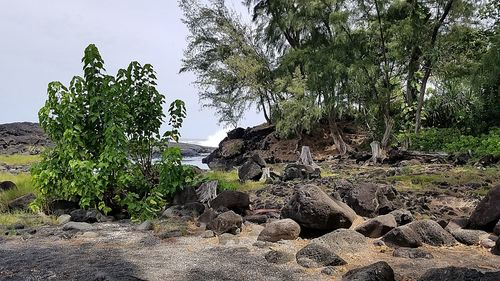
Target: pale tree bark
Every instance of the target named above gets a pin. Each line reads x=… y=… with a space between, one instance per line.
x=306 y=157
x=207 y=191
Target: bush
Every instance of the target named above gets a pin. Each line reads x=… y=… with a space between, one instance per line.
x=104 y=130
x=451 y=141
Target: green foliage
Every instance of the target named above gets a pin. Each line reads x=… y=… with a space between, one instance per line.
x=105 y=129
x=452 y=141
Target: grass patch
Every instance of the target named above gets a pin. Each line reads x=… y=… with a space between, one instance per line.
x=24 y=186
x=19 y=159
x=230 y=181
x=26 y=219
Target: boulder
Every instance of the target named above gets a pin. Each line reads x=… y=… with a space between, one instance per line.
x=228 y=222
x=340 y=240
x=312 y=208
x=78 y=226
x=414 y=234
x=379 y=271
x=278 y=257
x=378 y=226
x=258 y=160
x=250 y=170
x=145 y=226
x=170 y=234
x=208 y=234
x=496 y=249
x=7 y=185
x=21 y=203
x=236 y=133
x=412 y=253
x=487 y=243
x=232 y=148
x=275 y=231
x=469 y=236
x=402 y=216
x=233 y=200
x=315 y=256
x=184 y=196
x=193 y=209
x=90 y=216
x=207 y=216
x=371 y=200
x=496 y=229
x=299 y=171
x=487 y=212
x=228 y=239
x=456 y=224
x=458 y=273
x=63 y=219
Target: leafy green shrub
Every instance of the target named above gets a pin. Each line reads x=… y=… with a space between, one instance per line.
x=451 y=141
x=105 y=129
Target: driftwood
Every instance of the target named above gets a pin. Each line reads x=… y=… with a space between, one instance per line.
x=395 y=156
x=306 y=157
x=207 y=192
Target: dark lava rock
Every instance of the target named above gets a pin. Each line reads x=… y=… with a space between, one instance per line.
x=236 y=133
x=378 y=226
x=184 y=196
x=89 y=216
x=496 y=249
x=250 y=170
x=312 y=208
x=379 y=271
x=278 y=257
x=412 y=253
x=458 y=274
x=228 y=222
x=414 y=234
x=207 y=216
x=456 y=224
x=258 y=219
x=193 y=209
x=7 y=185
x=468 y=236
x=402 y=216
x=233 y=200
x=487 y=160
x=371 y=200
x=275 y=231
x=487 y=212
x=329 y=270
x=21 y=203
x=21 y=138
x=496 y=229
x=299 y=171
x=315 y=255
x=170 y=234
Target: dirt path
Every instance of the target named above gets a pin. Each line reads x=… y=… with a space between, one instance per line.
x=117 y=252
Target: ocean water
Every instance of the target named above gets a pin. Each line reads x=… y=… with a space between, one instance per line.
x=195 y=161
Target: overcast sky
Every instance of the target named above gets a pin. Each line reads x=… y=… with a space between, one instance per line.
x=43 y=41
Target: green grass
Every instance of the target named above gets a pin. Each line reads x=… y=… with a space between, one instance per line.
x=26 y=219
x=230 y=181
x=19 y=159
x=24 y=186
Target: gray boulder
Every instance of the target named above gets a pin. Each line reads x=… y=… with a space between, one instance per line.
x=296 y=171
x=228 y=222
x=414 y=234
x=496 y=229
x=343 y=240
x=7 y=185
x=402 y=217
x=145 y=226
x=315 y=256
x=457 y=274
x=90 y=216
x=371 y=200
x=496 y=249
x=21 y=203
x=275 y=231
x=412 y=253
x=457 y=223
x=469 y=236
x=378 y=226
x=379 y=271
x=78 y=226
x=233 y=200
x=250 y=170
x=63 y=219
x=278 y=257
x=312 y=208
x=487 y=212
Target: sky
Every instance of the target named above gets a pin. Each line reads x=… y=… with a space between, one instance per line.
x=43 y=41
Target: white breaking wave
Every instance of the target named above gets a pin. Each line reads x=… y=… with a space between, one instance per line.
x=214 y=139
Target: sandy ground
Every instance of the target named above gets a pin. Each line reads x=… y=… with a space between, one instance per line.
x=118 y=252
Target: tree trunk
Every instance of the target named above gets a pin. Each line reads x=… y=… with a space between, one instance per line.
x=377 y=151
x=207 y=191
x=306 y=157
x=389 y=126
x=338 y=140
